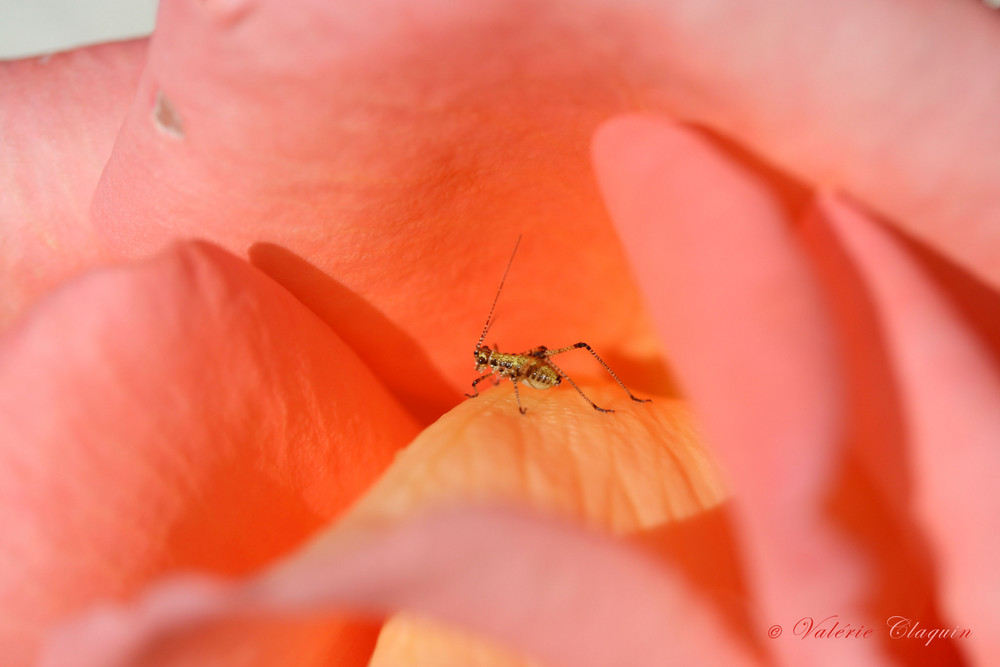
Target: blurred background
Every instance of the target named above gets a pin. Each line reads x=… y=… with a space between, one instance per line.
x=37 y=27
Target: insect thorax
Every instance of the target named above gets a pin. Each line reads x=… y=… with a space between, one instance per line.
x=530 y=370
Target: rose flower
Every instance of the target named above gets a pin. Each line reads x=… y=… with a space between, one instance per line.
x=248 y=259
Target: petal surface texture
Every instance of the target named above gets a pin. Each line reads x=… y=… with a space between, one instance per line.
x=184 y=413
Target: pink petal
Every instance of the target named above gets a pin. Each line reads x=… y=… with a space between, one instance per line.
x=743 y=318
x=951 y=390
x=550 y=590
x=58 y=118
x=893 y=102
x=185 y=413
x=874 y=496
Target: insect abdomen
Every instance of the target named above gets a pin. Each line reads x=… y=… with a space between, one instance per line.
x=541 y=376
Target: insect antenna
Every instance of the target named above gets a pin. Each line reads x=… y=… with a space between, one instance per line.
x=489 y=318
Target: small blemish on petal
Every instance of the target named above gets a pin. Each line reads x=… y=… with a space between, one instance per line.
x=166 y=118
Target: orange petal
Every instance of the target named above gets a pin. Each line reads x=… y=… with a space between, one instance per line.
x=410 y=639
x=640 y=471
x=633 y=470
x=185 y=413
x=365 y=159
x=423 y=156
x=59 y=116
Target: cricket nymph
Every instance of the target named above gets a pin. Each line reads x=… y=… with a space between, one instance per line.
x=530 y=370
x=533 y=367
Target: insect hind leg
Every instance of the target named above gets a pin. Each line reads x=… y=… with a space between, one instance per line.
x=551 y=353
x=540 y=352
x=578 y=390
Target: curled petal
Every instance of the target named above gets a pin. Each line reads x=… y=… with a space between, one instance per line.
x=894 y=103
x=473 y=567
x=640 y=473
x=950 y=386
x=744 y=319
x=185 y=413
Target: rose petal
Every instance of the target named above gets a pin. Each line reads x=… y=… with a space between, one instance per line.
x=744 y=319
x=548 y=589
x=183 y=413
x=449 y=124
x=638 y=472
x=58 y=116
x=951 y=388
x=874 y=497
x=630 y=471
x=892 y=102
x=397 y=151
x=409 y=639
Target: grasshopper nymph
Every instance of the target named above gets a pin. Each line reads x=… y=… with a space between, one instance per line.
x=533 y=367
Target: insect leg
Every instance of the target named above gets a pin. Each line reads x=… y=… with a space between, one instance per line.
x=552 y=353
x=579 y=391
x=536 y=352
x=477 y=381
x=518 y=397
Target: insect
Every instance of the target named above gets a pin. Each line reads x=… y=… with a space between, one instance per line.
x=533 y=367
